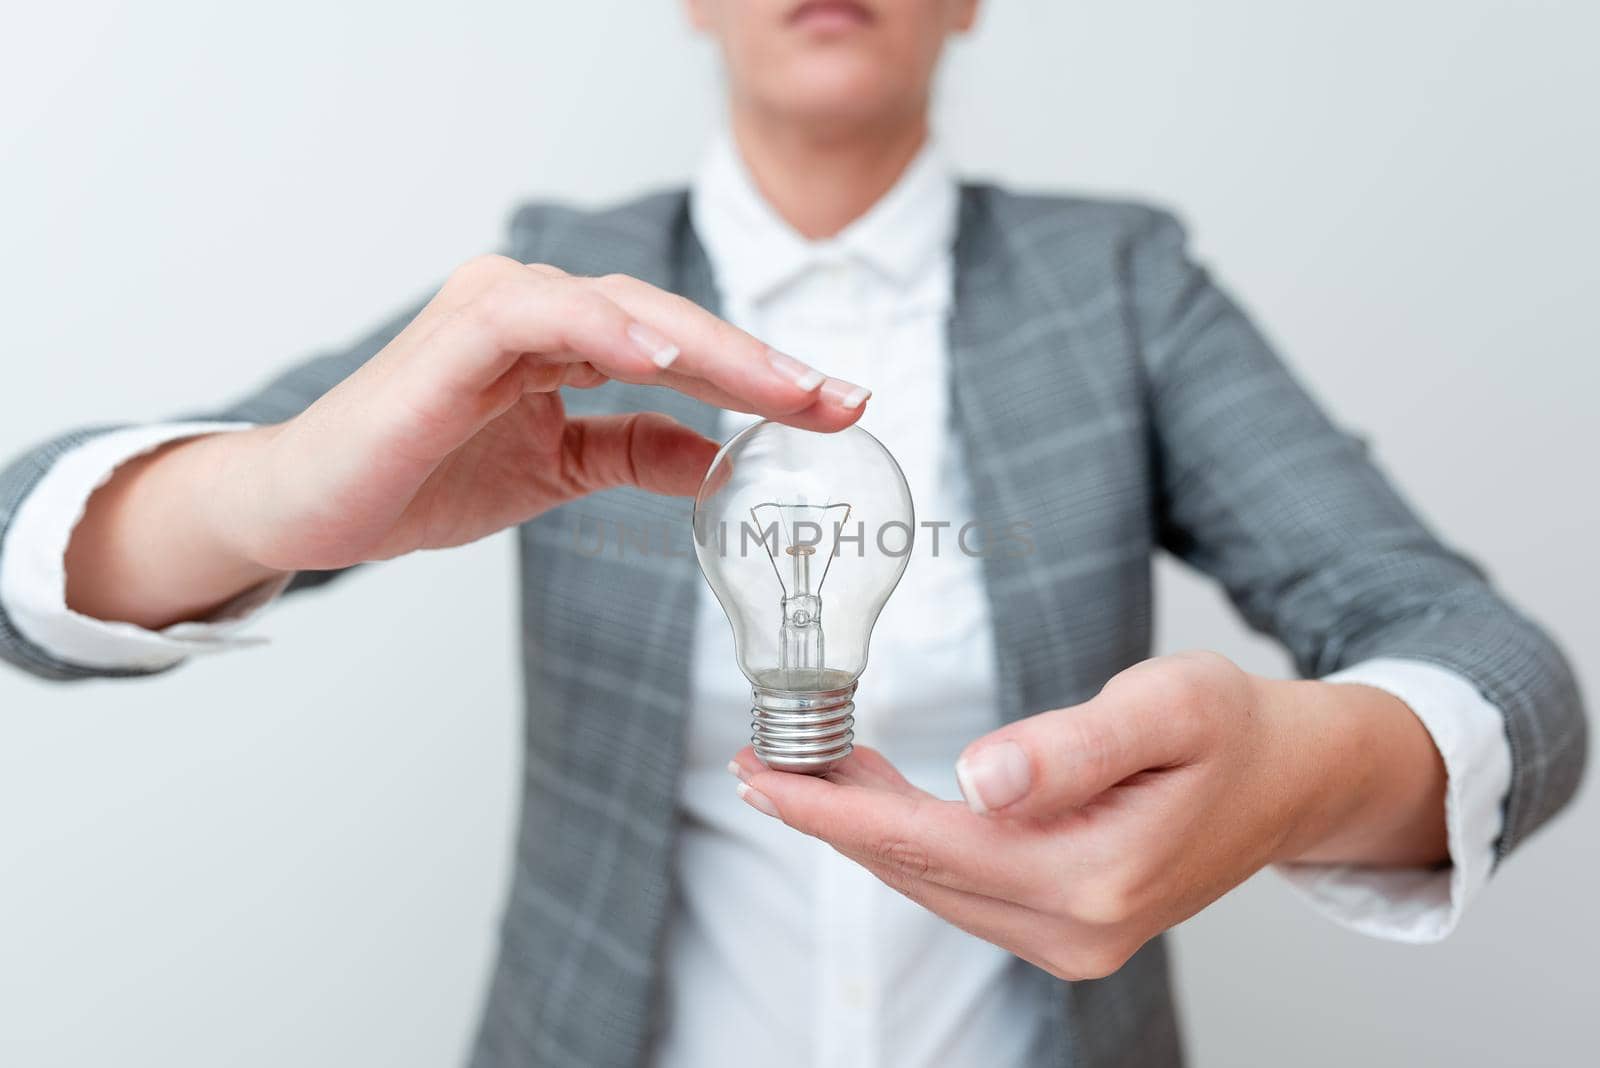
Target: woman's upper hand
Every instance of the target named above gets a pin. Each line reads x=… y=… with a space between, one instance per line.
x=453 y=431
x=457 y=430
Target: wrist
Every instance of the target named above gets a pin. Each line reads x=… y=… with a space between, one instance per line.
x=146 y=549
x=1367 y=783
x=227 y=480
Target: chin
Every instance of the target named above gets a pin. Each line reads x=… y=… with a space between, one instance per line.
x=843 y=89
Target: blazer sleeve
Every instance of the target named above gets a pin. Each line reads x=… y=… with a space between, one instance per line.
x=1313 y=545
x=281 y=398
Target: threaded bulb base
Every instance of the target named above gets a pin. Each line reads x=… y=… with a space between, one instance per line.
x=806 y=731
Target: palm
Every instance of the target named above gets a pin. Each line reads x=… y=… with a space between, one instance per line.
x=389 y=496
x=513 y=469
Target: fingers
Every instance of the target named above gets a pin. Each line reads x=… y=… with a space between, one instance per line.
x=541 y=376
x=745 y=763
x=863 y=767
x=822 y=414
x=900 y=827
x=751 y=374
x=866 y=766
x=494 y=312
x=1010 y=926
x=1056 y=761
x=556 y=320
x=648 y=450
x=1007 y=924
x=828 y=395
x=496 y=330
x=1009 y=882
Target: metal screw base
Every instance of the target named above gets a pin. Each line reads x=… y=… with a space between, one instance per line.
x=808 y=732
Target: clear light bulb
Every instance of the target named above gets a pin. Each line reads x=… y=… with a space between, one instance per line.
x=802 y=537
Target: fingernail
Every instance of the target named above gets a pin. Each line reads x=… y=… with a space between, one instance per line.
x=846 y=395
x=803 y=375
x=757 y=800
x=994 y=776
x=661 y=351
x=736 y=769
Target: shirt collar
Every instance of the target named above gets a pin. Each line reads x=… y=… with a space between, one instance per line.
x=753 y=251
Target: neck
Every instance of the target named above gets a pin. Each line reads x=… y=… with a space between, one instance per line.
x=820 y=181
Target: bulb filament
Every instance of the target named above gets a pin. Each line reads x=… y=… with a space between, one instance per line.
x=792 y=536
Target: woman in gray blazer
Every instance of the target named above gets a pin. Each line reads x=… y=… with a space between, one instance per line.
x=1101 y=393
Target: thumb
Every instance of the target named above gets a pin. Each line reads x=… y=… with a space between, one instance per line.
x=645 y=449
x=1059 y=760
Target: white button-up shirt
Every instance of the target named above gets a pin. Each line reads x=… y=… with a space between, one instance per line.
x=781 y=945
x=781 y=951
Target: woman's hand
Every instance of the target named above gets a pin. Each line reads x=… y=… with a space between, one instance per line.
x=456 y=429
x=452 y=432
x=1089 y=830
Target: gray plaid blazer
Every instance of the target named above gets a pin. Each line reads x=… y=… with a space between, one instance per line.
x=1108 y=393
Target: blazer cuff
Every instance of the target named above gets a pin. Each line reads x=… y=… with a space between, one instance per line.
x=33 y=576
x=1425 y=904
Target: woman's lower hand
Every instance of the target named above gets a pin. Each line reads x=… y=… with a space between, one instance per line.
x=1089 y=830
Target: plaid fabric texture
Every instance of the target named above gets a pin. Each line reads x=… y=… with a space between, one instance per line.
x=1110 y=397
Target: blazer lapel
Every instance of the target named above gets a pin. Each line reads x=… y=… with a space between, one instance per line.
x=1012 y=381
x=998 y=394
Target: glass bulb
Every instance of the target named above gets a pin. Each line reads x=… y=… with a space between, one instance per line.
x=802 y=537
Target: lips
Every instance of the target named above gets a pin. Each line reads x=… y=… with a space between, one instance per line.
x=831 y=15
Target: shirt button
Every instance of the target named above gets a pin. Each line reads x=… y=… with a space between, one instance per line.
x=855 y=994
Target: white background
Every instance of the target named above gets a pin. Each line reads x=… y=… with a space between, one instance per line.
x=296 y=857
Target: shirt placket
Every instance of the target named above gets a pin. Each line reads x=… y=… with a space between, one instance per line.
x=849 y=993
x=848 y=996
